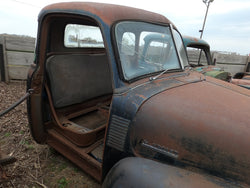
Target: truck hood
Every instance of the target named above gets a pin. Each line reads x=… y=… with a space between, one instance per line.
x=202 y=124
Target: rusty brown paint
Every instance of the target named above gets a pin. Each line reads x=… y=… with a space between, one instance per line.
x=108 y=12
x=191 y=128
x=246 y=77
x=76 y=154
x=200 y=129
x=241 y=82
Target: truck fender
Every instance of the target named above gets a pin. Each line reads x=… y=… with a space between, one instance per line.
x=140 y=172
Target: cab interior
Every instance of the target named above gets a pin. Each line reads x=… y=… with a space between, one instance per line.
x=78 y=89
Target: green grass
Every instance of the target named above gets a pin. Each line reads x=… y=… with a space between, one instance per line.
x=27 y=144
x=7 y=134
x=62 y=182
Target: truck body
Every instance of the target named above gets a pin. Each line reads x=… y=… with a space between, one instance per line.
x=129 y=116
x=199 y=55
x=243 y=78
x=200 y=58
x=202 y=47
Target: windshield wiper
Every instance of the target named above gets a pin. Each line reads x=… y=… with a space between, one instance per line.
x=157 y=76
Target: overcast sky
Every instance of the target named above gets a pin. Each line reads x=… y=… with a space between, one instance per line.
x=227 y=27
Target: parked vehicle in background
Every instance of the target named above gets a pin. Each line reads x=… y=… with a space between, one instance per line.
x=203 y=57
x=130 y=116
x=200 y=58
x=243 y=78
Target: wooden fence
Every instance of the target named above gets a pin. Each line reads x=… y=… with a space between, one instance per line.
x=231 y=62
x=16 y=55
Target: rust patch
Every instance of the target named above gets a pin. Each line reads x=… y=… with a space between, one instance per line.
x=107 y=12
x=213 y=159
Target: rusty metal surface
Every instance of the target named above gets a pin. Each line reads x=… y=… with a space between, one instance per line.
x=77 y=155
x=188 y=117
x=242 y=79
x=147 y=173
x=125 y=103
x=241 y=82
x=107 y=12
x=201 y=123
x=195 y=42
x=247 y=77
x=215 y=72
x=76 y=133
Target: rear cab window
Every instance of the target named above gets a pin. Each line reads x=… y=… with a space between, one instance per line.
x=82 y=36
x=197 y=57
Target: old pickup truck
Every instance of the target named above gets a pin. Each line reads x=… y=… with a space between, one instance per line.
x=132 y=117
x=198 y=51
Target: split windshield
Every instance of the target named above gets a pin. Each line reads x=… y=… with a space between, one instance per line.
x=146 y=48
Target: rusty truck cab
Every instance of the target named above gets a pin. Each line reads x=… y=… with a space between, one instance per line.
x=112 y=107
x=76 y=76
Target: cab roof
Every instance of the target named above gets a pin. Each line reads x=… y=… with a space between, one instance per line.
x=193 y=42
x=108 y=13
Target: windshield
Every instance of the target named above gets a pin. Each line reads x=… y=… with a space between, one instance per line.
x=145 y=49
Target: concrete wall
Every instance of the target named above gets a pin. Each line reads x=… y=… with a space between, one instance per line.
x=18 y=54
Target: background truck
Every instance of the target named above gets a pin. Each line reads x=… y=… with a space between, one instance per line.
x=198 y=51
x=132 y=117
x=199 y=55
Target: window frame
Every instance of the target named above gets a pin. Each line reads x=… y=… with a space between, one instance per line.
x=77 y=42
x=117 y=54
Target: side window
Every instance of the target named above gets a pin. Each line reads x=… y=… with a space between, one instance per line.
x=82 y=36
x=196 y=57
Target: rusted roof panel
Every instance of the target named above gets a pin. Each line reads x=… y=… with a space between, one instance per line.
x=109 y=13
x=193 y=41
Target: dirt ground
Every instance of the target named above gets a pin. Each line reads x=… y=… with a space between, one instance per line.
x=36 y=165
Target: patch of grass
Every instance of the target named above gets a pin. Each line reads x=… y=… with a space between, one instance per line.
x=7 y=134
x=31 y=146
x=23 y=142
x=27 y=144
x=56 y=166
x=62 y=182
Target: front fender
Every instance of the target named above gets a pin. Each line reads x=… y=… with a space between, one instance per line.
x=140 y=172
